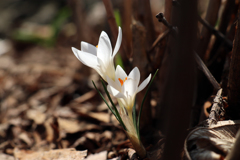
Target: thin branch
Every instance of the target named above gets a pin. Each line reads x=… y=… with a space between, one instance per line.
x=211 y=18
x=218 y=34
x=159 y=39
x=224 y=23
x=161 y=18
x=199 y=61
x=206 y=71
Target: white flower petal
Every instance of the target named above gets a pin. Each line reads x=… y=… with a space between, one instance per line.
x=129 y=87
x=120 y=73
x=144 y=83
x=101 y=65
x=110 y=71
x=118 y=43
x=102 y=69
x=114 y=92
x=104 y=50
x=135 y=74
x=113 y=84
x=122 y=102
x=86 y=58
x=86 y=47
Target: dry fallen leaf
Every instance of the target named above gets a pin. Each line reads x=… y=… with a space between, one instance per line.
x=58 y=154
x=211 y=143
x=37 y=116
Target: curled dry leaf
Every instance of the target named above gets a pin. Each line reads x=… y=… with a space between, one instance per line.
x=211 y=143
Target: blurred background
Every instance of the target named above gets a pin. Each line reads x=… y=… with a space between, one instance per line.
x=47 y=100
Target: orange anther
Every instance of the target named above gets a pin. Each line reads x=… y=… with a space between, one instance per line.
x=122 y=81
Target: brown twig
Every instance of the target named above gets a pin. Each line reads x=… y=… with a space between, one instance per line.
x=161 y=18
x=217 y=108
x=159 y=39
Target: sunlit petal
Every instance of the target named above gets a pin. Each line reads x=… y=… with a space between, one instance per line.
x=144 y=83
x=130 y=87
x=118 y=43
x=135 y=74
x=113 y=84
x=114 y=92
x=86 y=58
x=86 y=47
x=120 y=73
x=110 y=70
x=104 y=50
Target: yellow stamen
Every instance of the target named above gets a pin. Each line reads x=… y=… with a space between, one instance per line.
x=96 y=46
x=122 y=81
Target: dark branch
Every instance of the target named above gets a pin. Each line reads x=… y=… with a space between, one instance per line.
x=218 y=34
x=206 y=71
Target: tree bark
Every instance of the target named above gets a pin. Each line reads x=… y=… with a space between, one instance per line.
x=180 y=90
x=234 y=76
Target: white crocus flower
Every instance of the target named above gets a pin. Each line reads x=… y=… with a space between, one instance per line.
x=125 y=88
x=101 y=57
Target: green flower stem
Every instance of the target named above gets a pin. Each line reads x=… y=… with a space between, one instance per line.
x=114 y=107
x=115 y=113
x=140 y=111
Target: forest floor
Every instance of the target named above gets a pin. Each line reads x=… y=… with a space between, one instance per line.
x=48 y=102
